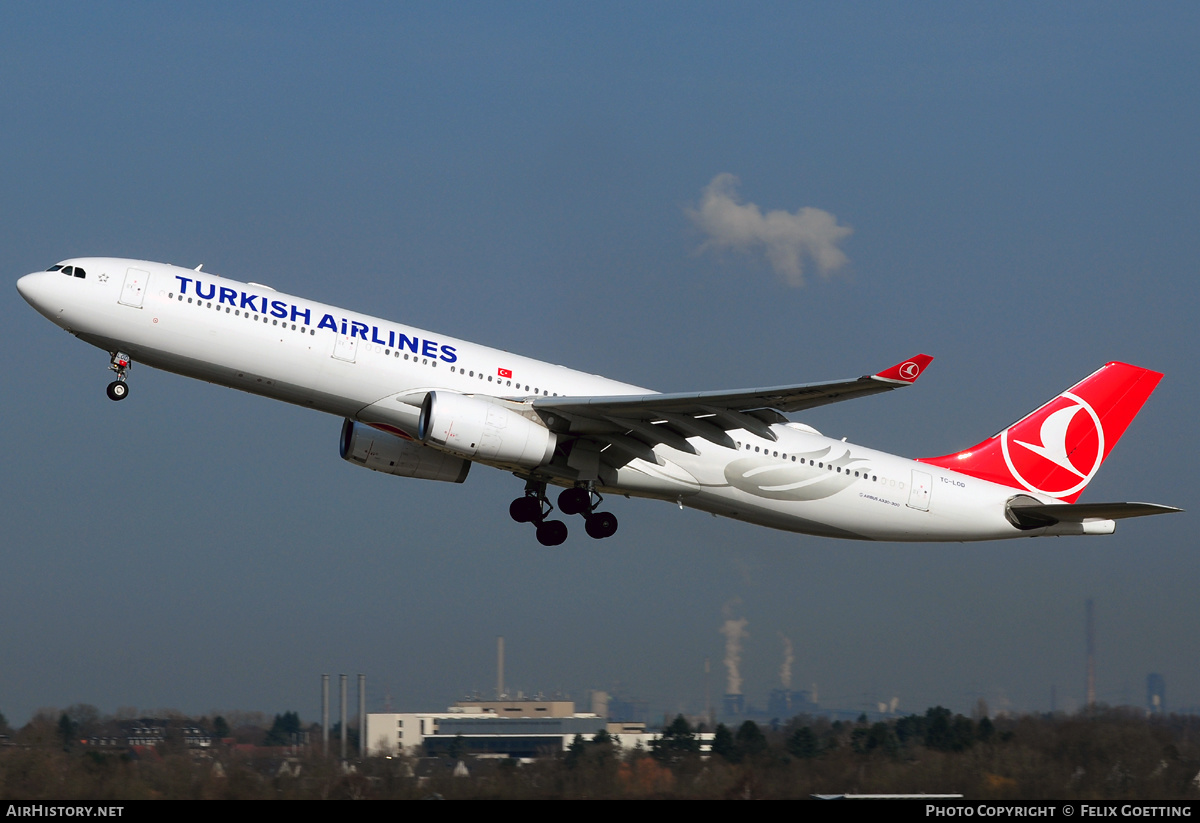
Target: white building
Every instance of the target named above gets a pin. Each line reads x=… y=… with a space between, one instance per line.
x=510 y=728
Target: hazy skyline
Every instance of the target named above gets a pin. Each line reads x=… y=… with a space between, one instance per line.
x=681 y=197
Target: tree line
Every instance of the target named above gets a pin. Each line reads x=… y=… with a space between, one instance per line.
x=1103 y=754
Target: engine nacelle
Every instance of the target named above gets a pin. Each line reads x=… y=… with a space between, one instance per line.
x=483 y=431
x=384 y=452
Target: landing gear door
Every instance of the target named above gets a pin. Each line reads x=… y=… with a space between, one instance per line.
x=345 y=348
x=918 y=498
x=135 y=287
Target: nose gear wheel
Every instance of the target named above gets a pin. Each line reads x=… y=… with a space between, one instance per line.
x=120 y=363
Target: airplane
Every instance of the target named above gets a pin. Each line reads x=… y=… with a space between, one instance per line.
x=423 y=405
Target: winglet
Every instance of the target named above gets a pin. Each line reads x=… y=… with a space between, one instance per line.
x=907 y=371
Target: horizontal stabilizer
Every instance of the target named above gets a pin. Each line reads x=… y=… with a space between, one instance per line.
x=1038 y=515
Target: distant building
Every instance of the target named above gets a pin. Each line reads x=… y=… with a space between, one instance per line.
x=784 y=703
x=516 y=728
x=143 y=733
x=733 y=705
x=628 y=711
x=518 y=708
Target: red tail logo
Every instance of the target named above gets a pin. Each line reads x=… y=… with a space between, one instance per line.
x=1057 y=450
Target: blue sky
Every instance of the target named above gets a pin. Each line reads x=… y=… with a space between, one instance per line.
x=1020 y=186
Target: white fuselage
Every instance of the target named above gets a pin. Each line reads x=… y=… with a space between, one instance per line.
x=352 y=365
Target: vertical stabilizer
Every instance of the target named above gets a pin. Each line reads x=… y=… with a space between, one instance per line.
x=1057 y=450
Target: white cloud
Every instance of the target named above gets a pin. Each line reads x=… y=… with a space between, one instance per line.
x=785 y=238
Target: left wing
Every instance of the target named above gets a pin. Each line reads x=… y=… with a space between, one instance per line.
x=636 y=423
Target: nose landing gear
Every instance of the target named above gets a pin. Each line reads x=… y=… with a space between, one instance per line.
x=120 y=363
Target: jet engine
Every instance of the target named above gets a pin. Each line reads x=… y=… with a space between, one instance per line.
x=381 y=451
x=481 y=430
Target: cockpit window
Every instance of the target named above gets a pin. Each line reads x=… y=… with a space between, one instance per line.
x=55 y=268
x=80 y=272
x=70 y=271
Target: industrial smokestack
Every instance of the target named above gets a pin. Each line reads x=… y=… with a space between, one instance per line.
x=343 y=711
x=708 y=709
x=325 y=715
x=1091 y=656
x=362 y=715
x=500 y=667
x=785 y=671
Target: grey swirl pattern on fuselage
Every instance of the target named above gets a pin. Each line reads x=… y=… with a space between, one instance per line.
x=812 y=477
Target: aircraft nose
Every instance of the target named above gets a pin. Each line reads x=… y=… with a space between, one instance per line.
x=27 y=286
x=37 y=291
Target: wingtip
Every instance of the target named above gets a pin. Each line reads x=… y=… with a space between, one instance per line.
x=906 y=371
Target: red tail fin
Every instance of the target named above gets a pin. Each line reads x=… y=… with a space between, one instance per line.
x=1058 y=449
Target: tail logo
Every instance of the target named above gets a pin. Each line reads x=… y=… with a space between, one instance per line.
x=910 y=370
x=1069 y=453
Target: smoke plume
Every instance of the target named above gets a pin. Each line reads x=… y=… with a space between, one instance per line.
x=785 y=670
x=735 y=633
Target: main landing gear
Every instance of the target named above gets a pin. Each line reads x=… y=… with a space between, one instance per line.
x=534 y=507
x=120 y=363
x=580 y=500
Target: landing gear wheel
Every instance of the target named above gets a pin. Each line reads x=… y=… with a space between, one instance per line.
x=552 y=532
x=574 y=501
x=601 y=525
x=525 y=509
x=120 y=363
